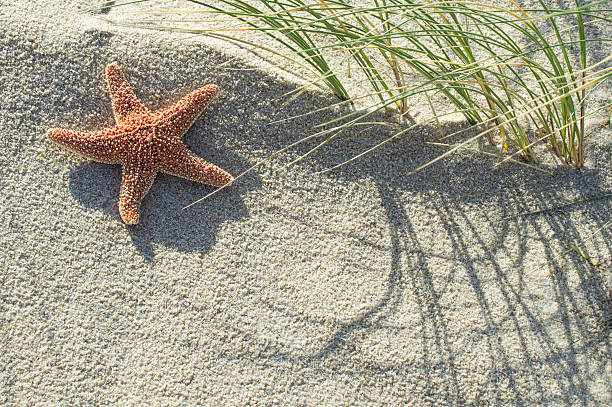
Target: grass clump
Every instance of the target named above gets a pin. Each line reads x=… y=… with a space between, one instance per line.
x=525 y=74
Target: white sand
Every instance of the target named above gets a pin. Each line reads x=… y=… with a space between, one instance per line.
x=358 y=287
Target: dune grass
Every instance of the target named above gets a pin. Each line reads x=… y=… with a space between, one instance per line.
x=525 y=74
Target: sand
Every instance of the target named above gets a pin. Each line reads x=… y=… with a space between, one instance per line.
x=360 y=286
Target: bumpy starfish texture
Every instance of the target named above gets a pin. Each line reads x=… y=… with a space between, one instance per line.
x=145 y=143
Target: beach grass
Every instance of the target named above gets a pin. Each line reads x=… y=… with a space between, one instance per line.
x=523 y=76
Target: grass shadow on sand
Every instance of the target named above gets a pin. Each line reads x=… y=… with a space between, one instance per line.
x=454 y=191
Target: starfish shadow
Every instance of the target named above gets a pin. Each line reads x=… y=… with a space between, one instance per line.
x=163 y=220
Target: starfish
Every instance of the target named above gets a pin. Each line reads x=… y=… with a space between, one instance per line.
x=145 y=143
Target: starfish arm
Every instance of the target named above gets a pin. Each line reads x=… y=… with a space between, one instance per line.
x=103 y=146
x=177 y=118
x=183 y=163
x=125 y=102
x=137 y=180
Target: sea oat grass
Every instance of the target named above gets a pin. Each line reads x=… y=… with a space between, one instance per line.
x=526 y=74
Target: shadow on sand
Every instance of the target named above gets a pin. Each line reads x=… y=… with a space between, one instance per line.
x=454 y=187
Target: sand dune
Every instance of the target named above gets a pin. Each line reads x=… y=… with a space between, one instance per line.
x=361 y=286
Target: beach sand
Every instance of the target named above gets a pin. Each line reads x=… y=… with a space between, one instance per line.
x=360 y=286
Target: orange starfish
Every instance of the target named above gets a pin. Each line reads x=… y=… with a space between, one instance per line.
x=145 y=143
